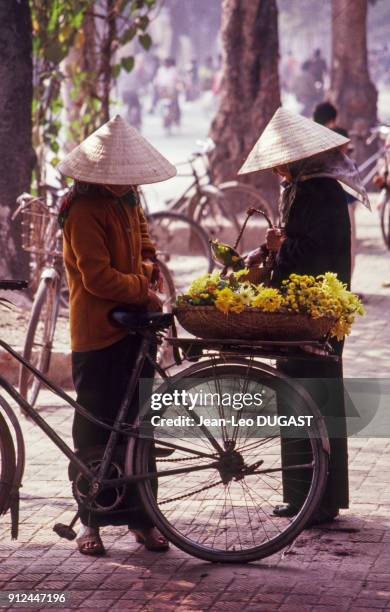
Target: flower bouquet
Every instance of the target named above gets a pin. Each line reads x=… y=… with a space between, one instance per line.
x=303 y=308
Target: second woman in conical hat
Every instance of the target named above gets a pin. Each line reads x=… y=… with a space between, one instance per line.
x=314 y=239
x=106 y=245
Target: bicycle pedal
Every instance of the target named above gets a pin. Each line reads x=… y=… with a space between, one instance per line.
x=64 y=531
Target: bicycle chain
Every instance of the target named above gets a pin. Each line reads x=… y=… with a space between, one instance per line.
x=177 y=460
x=189 y=494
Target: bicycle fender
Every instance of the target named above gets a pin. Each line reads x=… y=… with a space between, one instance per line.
x=212 y=190
x=20 y=448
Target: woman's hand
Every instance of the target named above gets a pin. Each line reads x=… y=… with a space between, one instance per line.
x=255 y=257
x=154 y=304
x=274 y=238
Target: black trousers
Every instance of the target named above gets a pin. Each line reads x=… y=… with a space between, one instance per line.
x=324 y=382
x=100 y=378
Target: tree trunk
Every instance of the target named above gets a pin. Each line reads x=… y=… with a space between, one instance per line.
x=106 y=57
x=250 y=92
x=82 y=57
x=16 y=154
x=352 y=91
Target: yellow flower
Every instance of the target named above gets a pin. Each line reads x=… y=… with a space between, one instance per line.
x=224 y=299
x=201 y=284
x=237 y=275
x=268 y=300
x=237 y=304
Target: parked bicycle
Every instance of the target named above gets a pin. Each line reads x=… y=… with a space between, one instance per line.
x=219 y=208
x=369 y=169
x=217 y=482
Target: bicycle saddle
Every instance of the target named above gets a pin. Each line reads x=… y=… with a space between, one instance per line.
x=140 y=320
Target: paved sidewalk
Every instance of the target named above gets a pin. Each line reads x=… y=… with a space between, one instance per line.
x=342 y=567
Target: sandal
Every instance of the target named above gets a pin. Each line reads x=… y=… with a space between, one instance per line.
x=91 y=545
x=152 y=539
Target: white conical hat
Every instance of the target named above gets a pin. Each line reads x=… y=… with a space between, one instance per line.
x=287 y=138
x=116 y=154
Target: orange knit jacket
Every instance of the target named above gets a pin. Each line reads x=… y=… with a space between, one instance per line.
x=103 y=244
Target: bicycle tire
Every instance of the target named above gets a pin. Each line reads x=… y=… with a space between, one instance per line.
x=385 y=220
x=7 y=465
x=196 y=229
x=242 y=197
x=168 y=298
x=320 y=449
x=48 y=293
x=212 y=211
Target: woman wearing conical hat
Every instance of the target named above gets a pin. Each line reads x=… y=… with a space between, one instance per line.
x=314 y=239
x=106 y=244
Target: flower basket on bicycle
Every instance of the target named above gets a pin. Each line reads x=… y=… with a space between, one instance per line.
x=303 y=308
x=242 y=305
x=252 y=324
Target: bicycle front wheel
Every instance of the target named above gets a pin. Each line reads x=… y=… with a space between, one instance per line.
x=7 y=465
x=225 y=471
x=39 y=338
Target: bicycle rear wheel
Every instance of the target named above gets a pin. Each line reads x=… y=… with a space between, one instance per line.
x=385 y=219
x=182 y=245
x=7 y=465
x=219 y=506
x=39 y=338
x=239 y=198
x=215 y=215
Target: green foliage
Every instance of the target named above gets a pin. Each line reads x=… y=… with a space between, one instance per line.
x=58 y=28
x=145 y=41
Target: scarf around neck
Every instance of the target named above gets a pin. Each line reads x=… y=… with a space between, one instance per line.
x=130 y=198
x=333 y=164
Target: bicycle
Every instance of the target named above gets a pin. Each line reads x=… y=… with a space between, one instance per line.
x=369 y=168
x=237 y=197
x=216 y=484
x=217 y=207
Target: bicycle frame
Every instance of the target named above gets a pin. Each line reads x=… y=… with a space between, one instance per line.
x=98 y=481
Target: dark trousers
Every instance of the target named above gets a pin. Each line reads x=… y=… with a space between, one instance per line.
x=100 y=378
x=324 y=382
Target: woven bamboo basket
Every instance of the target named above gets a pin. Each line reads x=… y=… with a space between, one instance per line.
x=251 y=324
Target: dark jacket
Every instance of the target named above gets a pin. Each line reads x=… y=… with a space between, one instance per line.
x=318 y=240
x=318 y=232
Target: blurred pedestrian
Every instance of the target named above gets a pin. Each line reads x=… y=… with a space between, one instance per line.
x=288 y=73
x=206 y=74
x=304 y=88
x=318 y=67
x=192 y=80
x=325 y=114
x=168 y=83
x=133 y=107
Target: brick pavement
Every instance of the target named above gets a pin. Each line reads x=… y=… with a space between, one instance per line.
x=345 y=566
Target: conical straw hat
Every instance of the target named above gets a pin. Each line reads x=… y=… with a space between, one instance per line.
x=287 y=138
x=116 y=154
